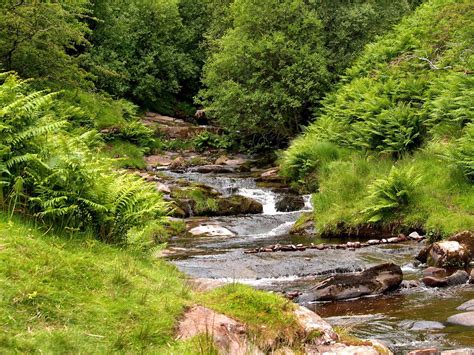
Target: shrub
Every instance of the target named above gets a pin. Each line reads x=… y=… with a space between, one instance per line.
x=462 y=152
x=391 y=195
x=208 y=139
x=306 y=157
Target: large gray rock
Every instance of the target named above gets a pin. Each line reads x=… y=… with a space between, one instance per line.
x=465 y=319
x=449 y=254
x=373 y=281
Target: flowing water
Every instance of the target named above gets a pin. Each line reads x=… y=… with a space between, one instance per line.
x=390 y=318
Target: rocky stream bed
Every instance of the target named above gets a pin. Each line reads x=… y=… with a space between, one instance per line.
x=251 y=243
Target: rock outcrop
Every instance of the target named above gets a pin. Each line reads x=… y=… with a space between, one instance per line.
x=373 y=281
x=228 y=335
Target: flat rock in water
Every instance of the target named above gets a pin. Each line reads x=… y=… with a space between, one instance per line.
x=373 y=281
x=465 y=319
x=211 y=231
x=466 y=306
x=426 y=325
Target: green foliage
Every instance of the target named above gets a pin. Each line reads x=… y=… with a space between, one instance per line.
x=391 y=195
x=206 y=140
x=269 y=70
x=349 y=26
x=140 y=51
x=56 y=177
x=44 y=39
x=305 y=157
x=406 y=102
x=462 y=152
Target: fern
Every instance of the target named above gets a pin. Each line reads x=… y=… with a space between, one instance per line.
x=391 y=195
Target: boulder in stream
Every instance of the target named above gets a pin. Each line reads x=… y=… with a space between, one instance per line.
x=373 y=281
x=466 y=239
x=211 y=231
x=449 y=254
x=290 y=203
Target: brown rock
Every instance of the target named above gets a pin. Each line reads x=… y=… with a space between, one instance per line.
x=270 y=175
x=177 y=163
x=465 y=238
x=312 y=323
x=458 y=278
x=228 y=334
x=434 y=272
x=430 y=351
x=431 y=281
x=221 y=160
x=449 y=254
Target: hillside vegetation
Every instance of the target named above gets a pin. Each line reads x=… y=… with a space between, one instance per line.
x=393 y=146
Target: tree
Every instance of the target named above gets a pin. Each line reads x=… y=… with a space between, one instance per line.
x=268 y=71
x=140 y=51
x=350 y=25
x=43 y=40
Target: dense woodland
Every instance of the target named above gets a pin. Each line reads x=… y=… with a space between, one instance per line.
x=370 y=104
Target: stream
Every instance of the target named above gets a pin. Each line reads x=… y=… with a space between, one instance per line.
x=394 y=318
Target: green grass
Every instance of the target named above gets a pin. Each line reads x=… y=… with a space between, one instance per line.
x=77 y=295
x=74 y=294
x=269 y=317
x=442 y=203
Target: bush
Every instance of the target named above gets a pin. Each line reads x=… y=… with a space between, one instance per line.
x=207 y=140
x=462 y=152
x=267 y=71
x=306 y=157
x=389 y=196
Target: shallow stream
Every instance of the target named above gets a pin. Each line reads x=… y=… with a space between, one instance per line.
x=390 y=318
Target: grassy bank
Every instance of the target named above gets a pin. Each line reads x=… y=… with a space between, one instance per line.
x=78 y=295
x=74 y=294
x=392 y=147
